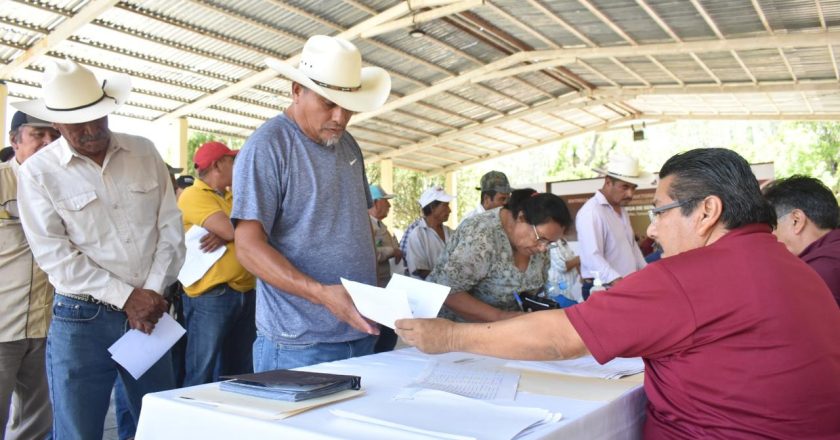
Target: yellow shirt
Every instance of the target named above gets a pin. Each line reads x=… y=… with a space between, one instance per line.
x=197 y=203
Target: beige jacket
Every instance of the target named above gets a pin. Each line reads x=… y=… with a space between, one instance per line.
x=25 y=294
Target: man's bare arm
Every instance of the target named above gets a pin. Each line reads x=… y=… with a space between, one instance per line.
x=545 y=335
x=265 y=262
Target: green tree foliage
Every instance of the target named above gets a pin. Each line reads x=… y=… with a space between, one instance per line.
x=408 y=185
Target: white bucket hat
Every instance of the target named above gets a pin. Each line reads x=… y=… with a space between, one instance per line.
x=626 y=168
x=332 y=68
x=71 y=94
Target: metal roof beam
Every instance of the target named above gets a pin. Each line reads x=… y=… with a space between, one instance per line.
x=63 y=31
x=564 y=102
x=750 y=43
x=780 y=87
x=602 y=126
x=451 y=7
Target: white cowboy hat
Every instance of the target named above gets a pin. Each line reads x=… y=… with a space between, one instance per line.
x=71 y=94
x=332 y=68
x=626 y=168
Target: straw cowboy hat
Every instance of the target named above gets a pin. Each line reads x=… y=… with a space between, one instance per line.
x=71 y=94
x=626 y=168
x=332 y=68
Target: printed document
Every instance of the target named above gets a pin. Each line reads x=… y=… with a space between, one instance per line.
x=404 y=297
x=137 y=351
x=468 y=381
x=585 y=366
x=197 y=262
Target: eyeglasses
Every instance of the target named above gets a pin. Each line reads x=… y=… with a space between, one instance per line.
x=543 y=241
x=653 y=214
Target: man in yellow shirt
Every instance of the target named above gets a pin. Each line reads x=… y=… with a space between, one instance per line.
x=218 y=308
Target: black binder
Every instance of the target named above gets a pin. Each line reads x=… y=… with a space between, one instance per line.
x=290 y=385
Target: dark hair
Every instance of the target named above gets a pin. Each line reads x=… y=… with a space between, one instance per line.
x=718 y=172
x=6 y=153
x=488 y=193
x=538 y=208
x=427 y=210
x=805 y=193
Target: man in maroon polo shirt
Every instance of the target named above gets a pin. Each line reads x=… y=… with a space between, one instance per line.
x=739 y=337
x=808 y=214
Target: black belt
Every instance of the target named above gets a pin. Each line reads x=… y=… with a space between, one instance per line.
x=92 y=300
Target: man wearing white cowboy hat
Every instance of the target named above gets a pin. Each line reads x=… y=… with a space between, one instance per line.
x=608 y=249
x=101 y=219
x=300 y=214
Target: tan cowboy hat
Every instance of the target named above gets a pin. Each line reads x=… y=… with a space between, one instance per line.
x=332 y=68
x=626 y=168
x=71 y=94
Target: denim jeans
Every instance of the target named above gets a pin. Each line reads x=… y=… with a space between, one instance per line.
x=269 y=355
x=81 y=373
x=220 y=334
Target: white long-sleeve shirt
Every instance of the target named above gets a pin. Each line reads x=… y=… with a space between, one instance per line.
x=102 y=231
x=606 y=240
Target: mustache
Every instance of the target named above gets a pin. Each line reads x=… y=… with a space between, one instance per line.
x=95 y=137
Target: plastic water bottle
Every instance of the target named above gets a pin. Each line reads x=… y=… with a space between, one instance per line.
x=597 y=284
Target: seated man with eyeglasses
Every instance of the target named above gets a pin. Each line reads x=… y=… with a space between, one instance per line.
x=738 y=336
x=499 y=253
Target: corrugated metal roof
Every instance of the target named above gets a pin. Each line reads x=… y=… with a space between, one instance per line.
x=181 y=51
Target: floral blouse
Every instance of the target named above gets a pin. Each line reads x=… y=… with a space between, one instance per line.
x=478 y=259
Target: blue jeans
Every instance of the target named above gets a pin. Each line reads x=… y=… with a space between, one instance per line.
x=81 y=373
x=269 y=355
x=220 y=333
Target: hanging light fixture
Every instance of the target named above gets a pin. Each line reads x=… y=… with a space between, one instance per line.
x=416 y=31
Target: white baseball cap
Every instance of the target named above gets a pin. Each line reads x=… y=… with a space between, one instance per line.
x=432 y=194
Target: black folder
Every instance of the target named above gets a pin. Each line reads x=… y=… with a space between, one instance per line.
x=290 y=385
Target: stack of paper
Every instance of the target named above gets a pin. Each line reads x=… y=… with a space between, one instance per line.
x=443 y=415
x=585 y=366
x=257 y=407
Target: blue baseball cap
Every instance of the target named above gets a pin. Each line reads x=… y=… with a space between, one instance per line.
x=376 y=193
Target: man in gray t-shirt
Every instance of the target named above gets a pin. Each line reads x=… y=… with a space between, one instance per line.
x=300 y=211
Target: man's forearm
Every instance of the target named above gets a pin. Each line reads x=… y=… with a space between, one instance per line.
x=550 y=336
x=268 y=264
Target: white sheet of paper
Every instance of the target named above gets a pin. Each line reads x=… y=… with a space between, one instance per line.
x=443 y=415
x=197 y=262
x=381 y=305
x=137 y=351
x=425 y=298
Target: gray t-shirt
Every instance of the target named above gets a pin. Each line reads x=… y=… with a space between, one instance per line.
x=312 y=202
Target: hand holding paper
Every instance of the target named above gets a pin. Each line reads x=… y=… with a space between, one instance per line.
x=137 y=351
x=404 y=297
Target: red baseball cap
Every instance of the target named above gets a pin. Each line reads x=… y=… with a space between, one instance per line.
x=210 y=152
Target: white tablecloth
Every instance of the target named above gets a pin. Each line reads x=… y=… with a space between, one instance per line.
x=609 y=410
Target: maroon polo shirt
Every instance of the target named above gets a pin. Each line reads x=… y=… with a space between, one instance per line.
x=823 y=256
x=739 y=340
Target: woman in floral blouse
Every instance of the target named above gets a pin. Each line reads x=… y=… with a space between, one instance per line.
x=499 y=252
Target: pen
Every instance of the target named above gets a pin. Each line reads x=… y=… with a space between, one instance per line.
x=518 y=300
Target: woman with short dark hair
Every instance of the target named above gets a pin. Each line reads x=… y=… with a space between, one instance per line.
x=499 y=252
